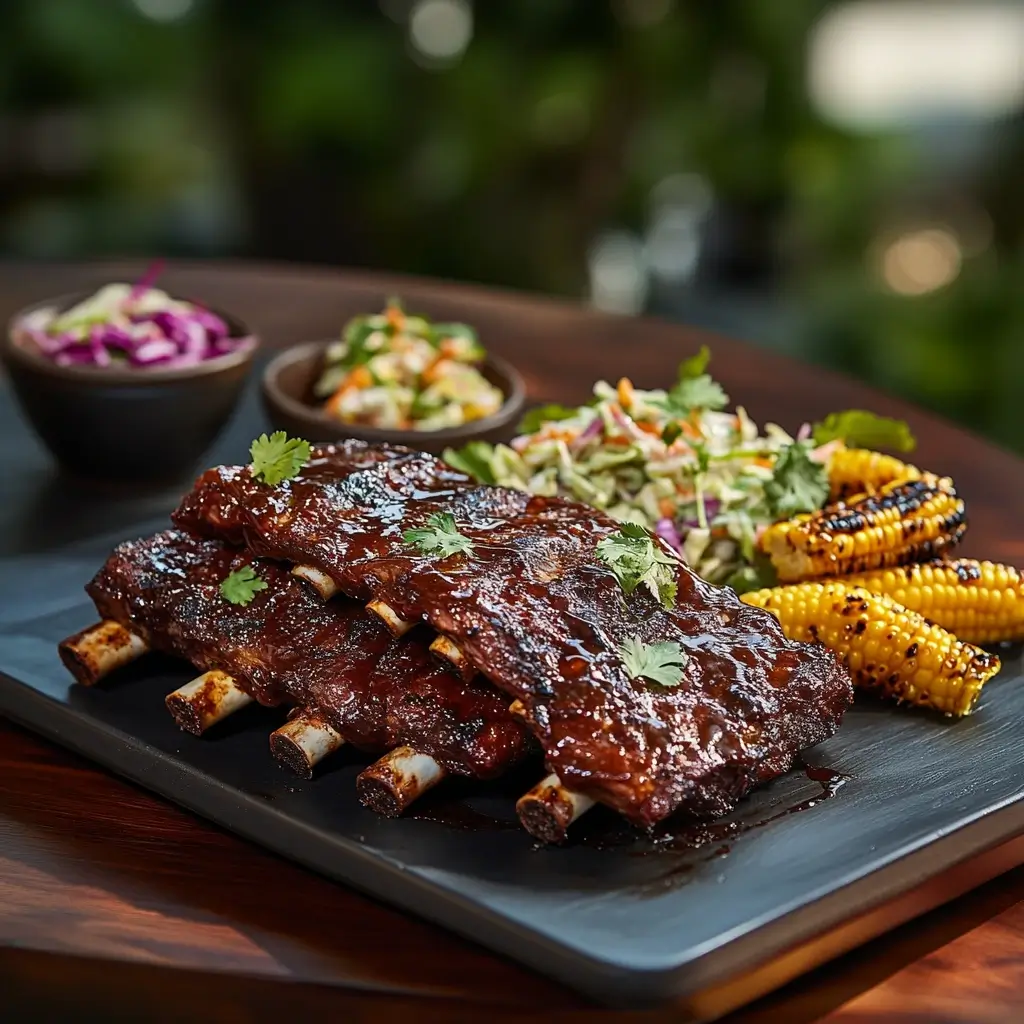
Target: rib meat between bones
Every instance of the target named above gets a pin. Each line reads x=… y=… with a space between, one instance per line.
x=535 y=610
x=287 y=646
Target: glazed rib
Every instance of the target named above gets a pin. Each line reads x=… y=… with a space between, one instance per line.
x=535 y=610
x=286 y=646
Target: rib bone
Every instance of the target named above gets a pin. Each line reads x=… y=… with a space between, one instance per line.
x=395 y=623
x=452 y=653
x=206 y=701
x=319 y=581
x=98 y=650
x=303 y=742
x=547 y=811
x=391 y=784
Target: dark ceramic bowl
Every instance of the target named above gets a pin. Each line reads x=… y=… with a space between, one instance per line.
x=291 y=406
x=125 y=424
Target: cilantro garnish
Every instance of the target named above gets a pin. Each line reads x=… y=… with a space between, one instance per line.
x=862 y=429
x=474 y=459
x=278 y=457
x=661 y=663
x=695 y=388
x=697 y=393
x=536 y=418
x=635 y=559
x=241 y=586
x=798 y=483
x=439 y=537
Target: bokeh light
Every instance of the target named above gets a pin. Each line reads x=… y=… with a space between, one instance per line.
x=440 y=30
x=164 y=10
x=921 y=261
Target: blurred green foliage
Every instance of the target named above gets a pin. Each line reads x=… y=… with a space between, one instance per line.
x=314 y=130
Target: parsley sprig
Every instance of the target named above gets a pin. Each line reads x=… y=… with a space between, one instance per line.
x=242 y=585
x=440 y=536
x=278 y=457
x=635 y=559
x=661 y=663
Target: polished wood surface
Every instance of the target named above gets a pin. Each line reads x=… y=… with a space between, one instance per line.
x=117 y=905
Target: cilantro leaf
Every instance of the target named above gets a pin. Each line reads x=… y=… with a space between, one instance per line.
x=695 y=366
x=697 y=393
x=440 y=536
x=278 y=457
x=473 y=459
x=661 y=663
x=862 y=429
x=635 y=559
x=241 y=586
x=536 y=418
x=695 y=388
x=798 y=483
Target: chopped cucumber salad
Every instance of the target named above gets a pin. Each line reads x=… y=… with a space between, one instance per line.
x=706 y=480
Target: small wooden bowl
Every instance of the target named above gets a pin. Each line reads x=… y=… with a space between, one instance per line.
x=125 y=424
x=291 y=406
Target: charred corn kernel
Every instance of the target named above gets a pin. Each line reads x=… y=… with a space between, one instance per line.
x=981 y=602
x=888 y=648
x=855 y=471
x=907 y=521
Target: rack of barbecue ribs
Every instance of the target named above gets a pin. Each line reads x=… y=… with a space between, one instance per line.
x=524 y=599
x=346 y=677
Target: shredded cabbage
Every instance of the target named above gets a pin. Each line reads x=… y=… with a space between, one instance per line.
x=130 y=325
x=696 y=477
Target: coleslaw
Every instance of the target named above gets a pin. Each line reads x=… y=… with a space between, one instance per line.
x=135 y=326
x=705 y=480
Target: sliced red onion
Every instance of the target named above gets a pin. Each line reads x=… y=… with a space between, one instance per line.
x=804 y=433
x=76 y=355
x=666 y=530
x=116 y=338
x=594 y=430
x=627 y=424
x=161 y=350
x=148 y=279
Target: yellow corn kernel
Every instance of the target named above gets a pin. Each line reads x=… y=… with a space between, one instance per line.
x=887 y=648
x=626 y=393
x=856 y=471
x=907 y=521
x=981 y=602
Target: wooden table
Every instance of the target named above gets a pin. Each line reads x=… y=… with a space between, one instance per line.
x=117 y=905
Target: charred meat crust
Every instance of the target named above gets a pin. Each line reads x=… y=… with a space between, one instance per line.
x=288 y=646
x=542 y=618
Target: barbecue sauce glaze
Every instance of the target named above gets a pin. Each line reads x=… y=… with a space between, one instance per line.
x=543 y=619
x=287 y=646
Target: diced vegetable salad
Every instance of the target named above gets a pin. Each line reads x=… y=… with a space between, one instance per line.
x=136 y=326
x=706 y=480
x=396 y=371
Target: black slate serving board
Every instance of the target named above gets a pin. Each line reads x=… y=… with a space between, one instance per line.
x=895 y=799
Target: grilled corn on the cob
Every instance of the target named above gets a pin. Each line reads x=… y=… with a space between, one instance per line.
x=887 y=647
x=854 y=471
x=981 y=602
x=907 y=521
